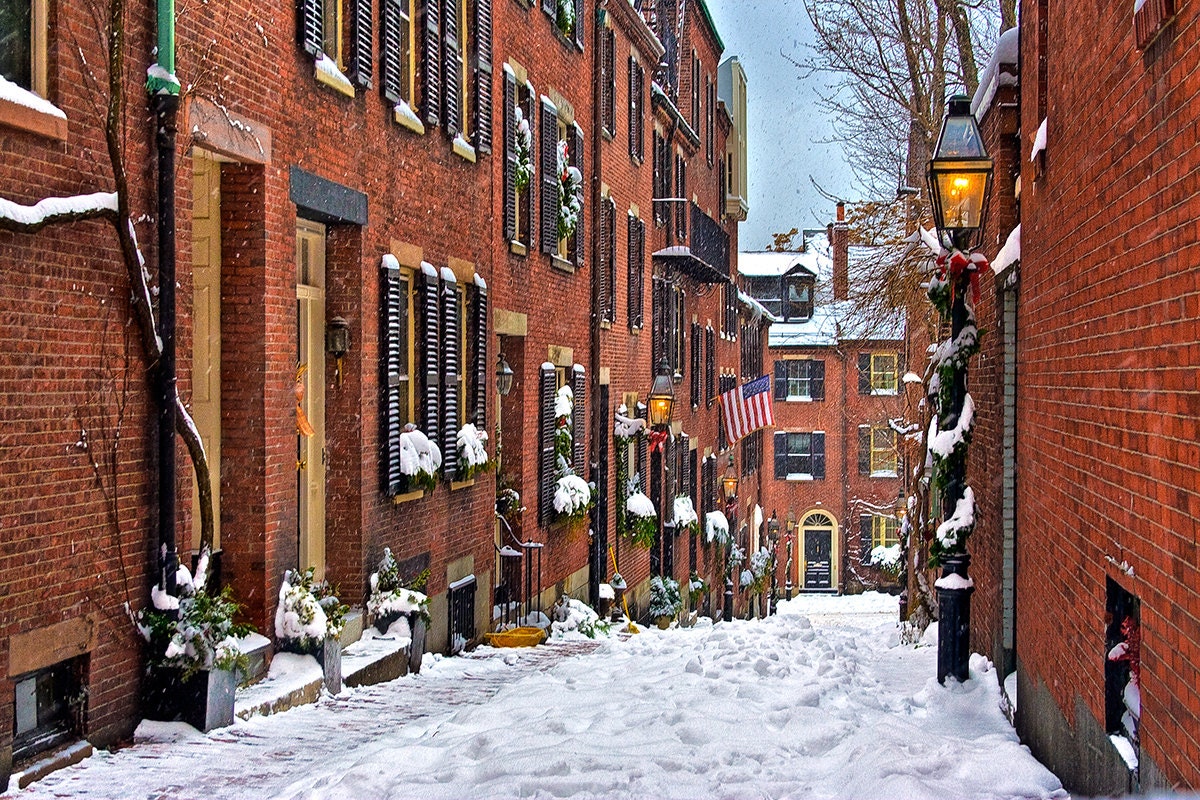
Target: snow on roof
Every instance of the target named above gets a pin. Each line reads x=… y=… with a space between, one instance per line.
x=993 y=77
x=769 y=263
x=757 y=309
x=1010 y=253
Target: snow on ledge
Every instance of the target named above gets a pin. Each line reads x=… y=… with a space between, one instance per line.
x=328 y=73
x=954 y=581
x=56 y=206
x=23 y=97
x=1039 y=141
x=1010 y=253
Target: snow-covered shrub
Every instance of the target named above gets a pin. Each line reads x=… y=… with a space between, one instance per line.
x=570 y=181
x=575 y=617
x=523 y=168
x=472 y=452
x=308 y=612
x=508 y=501
x=716 y=528
x=696 y=587
x=420 y=459
x=887 y=558
x=572 y=497
x=389 y=596
x=736 y=555
x=1130 y=652
x=664 y=597
x=194 y=630
x=564 y=17
x=643 y=519
x=626 y=427
x=685 y=515
x=761 y=564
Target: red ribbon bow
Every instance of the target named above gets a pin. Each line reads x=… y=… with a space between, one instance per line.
x=959 y=261
x=656 y=439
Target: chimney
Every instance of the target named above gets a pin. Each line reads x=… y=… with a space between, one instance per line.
x=839 y=245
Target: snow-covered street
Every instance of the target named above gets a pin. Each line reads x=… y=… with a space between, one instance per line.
x=821 y=701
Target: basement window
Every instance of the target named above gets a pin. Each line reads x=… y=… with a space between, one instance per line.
x=45 y=710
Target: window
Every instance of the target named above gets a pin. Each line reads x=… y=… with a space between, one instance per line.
x=519 y=157
x=569 y=248
x=607 y=268
x=550 y=469
x=608 y=82
x=637 y=125
x=695 y=91
x=322 y=33
x=798 y=297
x=752 y=356
x=885 y=531
x=877 y=373
x=662 y=179
x=799 y=456
x=710 y=366
x=397 y=61
x=45 y=705
x=668 y=314
x=800 y=379
x=23 y=44
x=681 y=205
x=331 y=31
x=710 y=106
x=876 y=451
x=637 y=268
x=729 y=318
x=696 y=365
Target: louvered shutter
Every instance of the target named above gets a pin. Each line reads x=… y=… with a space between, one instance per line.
x=575 y=152
x=312 y=24
x=696 y=362
x=657 y=180
x=450 y=371
x=481 y=357
x=816 y=379
x=510 y=156
x=451 y=69
x=546 y=460
x=657 y=323
x=603 y=306
x=781 y=389
x=635 y=107
x=780 y=456
x=431 y=66
x=549 y=177
x=391 y=66
x=685 y=468
x=392 y=424
x=637 y=266
x=710 y=366
x=580 y=18
x=864 y=449
x=864 y=537
x=864 y=373
x=611 y=266
x=579 y=421
x=430 y=341
x=363 y=44
x=640 y=87
x=483 y=76
x=608 y=69
x=643 y=457
x=818 y=456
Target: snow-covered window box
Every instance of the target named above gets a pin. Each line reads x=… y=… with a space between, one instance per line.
x=686 y=518
x=572 y=498
x=420 y=460
x=642 y=519
x=393 y=597
x=716 y=528
x=472 y=452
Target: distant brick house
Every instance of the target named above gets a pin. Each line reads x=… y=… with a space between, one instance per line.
x=836 y=458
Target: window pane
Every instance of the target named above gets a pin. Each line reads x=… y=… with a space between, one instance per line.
x=332 y=29
x=883 y=372
x=16 y=55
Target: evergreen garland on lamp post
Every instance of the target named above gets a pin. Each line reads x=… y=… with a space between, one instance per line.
x=960 y=176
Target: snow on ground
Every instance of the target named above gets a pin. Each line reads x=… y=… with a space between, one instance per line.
x=820 y=701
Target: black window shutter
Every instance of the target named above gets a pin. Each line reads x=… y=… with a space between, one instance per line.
x=864 y=537
x=391 y=68
x=604 y=308
x=451 y=68
x=609 y=66
x=483 y=76
x=312 y=19
x=392 y=424
x=580 y=18
x=611 y=267
x=641 y=114
x=780 y=455
x=710 y=366
x=816 y=379
x=575 y=154
x=450 y=371
x=643 y=458
x=635 y=105
x=431 y=65
x=579 y=421
x=818 y=456
x=431 y=339
x=864 y=373
x=864 y=449
x=481 y=356
x=510 y=156
x=657 y=181
x=364 y=44
x=546 y=461
x=549 y=177
x=657 y=323
x=696 y=355
x=781 y=380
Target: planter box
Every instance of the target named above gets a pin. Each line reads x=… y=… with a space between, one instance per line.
x=204 y=701
x=328 y=655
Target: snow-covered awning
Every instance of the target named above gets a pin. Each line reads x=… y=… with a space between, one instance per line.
x=682 y=258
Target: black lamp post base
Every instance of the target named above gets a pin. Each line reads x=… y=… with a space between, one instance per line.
x=954 y=619
x=727 y=611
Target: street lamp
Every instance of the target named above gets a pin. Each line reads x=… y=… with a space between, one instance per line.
x=773 y=538
x=729 y=485
x=504 y=377
x=960 y=179
x=662 y=396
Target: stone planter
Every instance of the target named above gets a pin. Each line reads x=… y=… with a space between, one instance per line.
x=417 y=648
x=384 y=621
x=663 y=622
x=204 y=701
x=328 y=654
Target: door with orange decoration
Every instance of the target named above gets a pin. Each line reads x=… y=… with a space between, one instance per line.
x=309 y=390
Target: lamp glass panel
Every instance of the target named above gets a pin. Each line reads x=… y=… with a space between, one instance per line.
x=962 y=194
x=660 y=410
x=960 y=139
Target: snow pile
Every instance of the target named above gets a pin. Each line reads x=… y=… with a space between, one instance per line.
x=685 y=513
x=640 y=505
x=886 y=558
x=716 y=528
x=418 y=455
x=298 y=616
x=1039 y=141
x=472 y=451
x=1010 y=253
x=572 y=495
x=23 y=97
x=578 y=621
x=50 y=207
x=961 y=522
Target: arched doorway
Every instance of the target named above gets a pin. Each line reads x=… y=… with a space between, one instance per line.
x=818 y=551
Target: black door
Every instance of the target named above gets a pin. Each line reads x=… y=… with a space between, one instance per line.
x=817 y=547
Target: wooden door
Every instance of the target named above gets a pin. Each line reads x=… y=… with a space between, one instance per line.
x=818 y=546
x=206 y=328
x=310 y=361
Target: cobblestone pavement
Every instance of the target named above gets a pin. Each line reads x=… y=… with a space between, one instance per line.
x=268 y=756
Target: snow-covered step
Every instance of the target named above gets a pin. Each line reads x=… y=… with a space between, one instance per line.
x=292 y=680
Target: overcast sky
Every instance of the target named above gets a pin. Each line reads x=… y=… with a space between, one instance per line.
x=785 y=126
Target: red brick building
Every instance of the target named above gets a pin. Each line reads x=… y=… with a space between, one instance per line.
x=835 y=461
x=1084 y=460
x=363 y=182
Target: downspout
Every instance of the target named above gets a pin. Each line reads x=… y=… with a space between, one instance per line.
x=164 y=102
x=598 y=567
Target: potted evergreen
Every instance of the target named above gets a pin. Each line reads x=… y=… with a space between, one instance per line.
x=309 y=621
x=665 y=601
x=193 y=652
x=393 y=598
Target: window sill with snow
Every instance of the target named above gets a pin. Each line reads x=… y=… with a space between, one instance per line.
x=408 y=496
x=405 y=117
x=561 y=264
x=456 y=485
x=24 y=110
x=799 y=398
x=463 y=149
x=328 y=73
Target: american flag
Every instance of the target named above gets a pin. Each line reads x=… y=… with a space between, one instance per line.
x=747 y=408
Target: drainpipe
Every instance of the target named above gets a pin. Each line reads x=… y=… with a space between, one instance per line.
x=164 y=102
x=597 y=568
